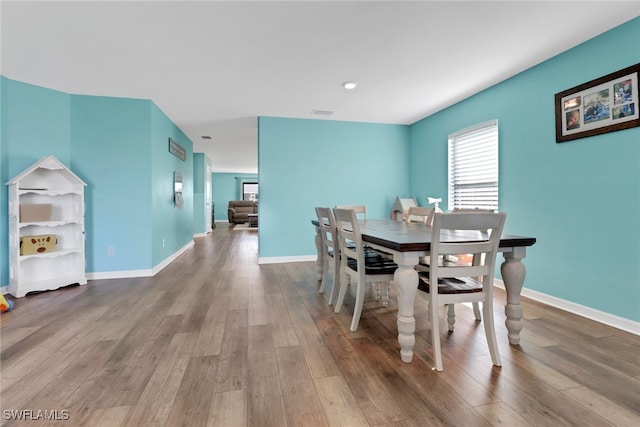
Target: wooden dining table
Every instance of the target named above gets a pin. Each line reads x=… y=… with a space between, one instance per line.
x=408 y=242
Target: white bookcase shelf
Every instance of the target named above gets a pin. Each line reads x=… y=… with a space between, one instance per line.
x=47 y=182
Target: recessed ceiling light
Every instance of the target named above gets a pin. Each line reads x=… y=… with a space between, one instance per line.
x=205 y=137
x=349 y=85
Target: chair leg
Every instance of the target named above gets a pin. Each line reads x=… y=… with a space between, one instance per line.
x=435 y=336
x=384 y=297
x=342 y=292
x=336 y=282
x=357 y=309
x=476 y=311
x=325 y=273
x=490 y=332
x=382 y=293
x=476 y=308
x=451 y=316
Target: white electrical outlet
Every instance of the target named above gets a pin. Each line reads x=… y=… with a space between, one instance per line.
x=163 y=243
x=111 y=250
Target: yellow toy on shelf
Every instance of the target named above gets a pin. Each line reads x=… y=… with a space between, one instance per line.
x=5 y=305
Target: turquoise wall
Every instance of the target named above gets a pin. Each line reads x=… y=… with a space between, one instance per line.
x=579 y=198
x=35 y=124
x=307 y=163
x=169 y=222
x=225 y=187
x=111 y=143
x=119 y=147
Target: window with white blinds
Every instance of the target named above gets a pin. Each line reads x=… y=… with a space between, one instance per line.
x=473 y=167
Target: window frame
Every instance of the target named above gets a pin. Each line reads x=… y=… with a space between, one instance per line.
x=481 y=190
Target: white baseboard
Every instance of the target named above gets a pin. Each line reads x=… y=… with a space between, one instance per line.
x=581 y=310
x=283 y=259
x=123 y=274
x=195 y=236
x=120 y=274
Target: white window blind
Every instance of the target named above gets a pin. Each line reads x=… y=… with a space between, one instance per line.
x=473 y=167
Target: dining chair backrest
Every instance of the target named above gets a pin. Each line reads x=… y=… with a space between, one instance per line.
x=472 y=210
x=360 y=210
x=330 y=250
x=349 y=236
x=476 y=233
x=328 y=231
x=464 y=258
x=420 y=214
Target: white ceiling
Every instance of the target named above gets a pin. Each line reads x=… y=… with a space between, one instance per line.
x=213 y=67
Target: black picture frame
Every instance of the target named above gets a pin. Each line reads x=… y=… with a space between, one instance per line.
x=606 y=104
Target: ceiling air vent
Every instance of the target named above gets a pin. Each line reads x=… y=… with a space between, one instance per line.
x=322 y=112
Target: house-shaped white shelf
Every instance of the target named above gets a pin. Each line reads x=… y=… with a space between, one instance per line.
x=47 y=184
x=48 y=173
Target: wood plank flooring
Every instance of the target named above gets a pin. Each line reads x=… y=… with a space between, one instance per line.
x=215 y=339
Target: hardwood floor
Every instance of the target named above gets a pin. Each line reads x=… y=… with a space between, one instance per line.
x=215 y=339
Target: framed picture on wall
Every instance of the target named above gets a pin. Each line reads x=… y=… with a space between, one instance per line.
x=606 y=104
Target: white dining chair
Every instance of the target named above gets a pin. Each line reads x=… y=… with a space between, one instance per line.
x=463 y=233
x=361 y=214
x=474 y=261
x=331 y=252
x=361 y=266
x=360 y=210
x=420 y=214
x=460 y=259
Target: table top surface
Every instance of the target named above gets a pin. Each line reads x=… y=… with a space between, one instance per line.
x=407 y=237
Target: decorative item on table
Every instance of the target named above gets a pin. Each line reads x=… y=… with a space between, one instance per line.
x=434 y=201
x=30 y=245
x=401 y=207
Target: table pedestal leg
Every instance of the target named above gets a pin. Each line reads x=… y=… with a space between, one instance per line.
x=513 y=273
x=406 y=280
x=320 y=259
